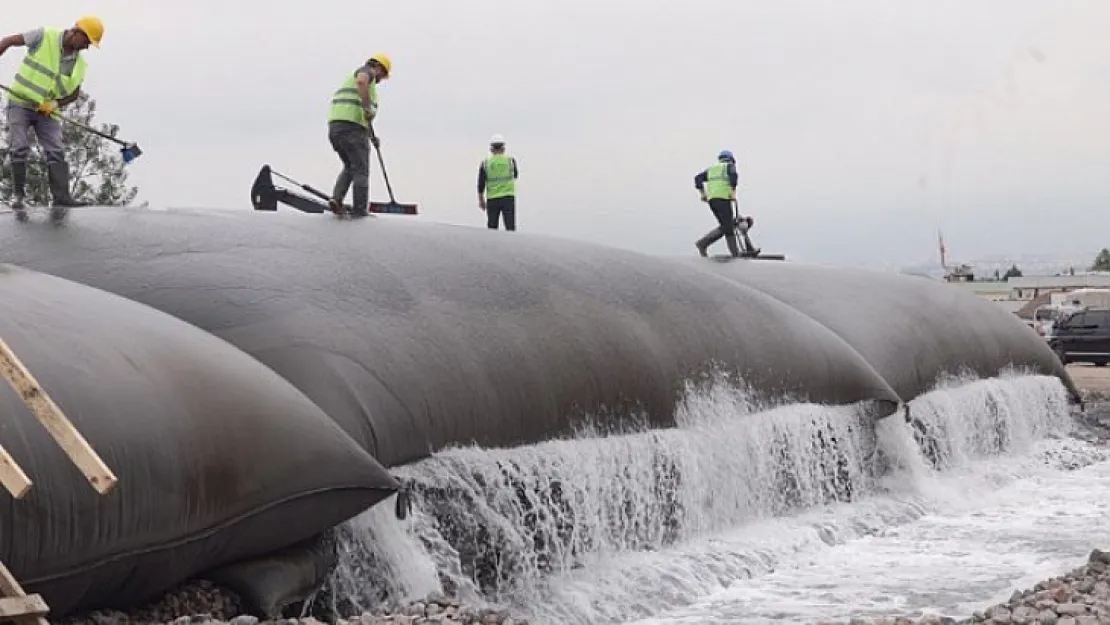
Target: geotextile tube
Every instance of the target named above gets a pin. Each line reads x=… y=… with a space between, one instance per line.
x=415 y=336
x=219 y=459
x=911 y=329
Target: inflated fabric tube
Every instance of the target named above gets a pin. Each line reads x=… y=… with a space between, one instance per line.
x=416 y=336
x=911 y=329
x=270 y=585
x=218 y=458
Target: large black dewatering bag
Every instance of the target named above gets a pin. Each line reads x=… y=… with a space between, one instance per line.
x=414 y=336
x=911 y=329
x=396 y=337
x=218 y=458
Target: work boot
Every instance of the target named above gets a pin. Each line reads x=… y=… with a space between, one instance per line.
x=342 y=185
x=19 y=183
x=58 y=175
x=704 y=242
x=337 y=207
x=733 y=245
x=361 y=201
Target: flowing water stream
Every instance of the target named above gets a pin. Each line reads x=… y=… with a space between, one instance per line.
x=747 y=513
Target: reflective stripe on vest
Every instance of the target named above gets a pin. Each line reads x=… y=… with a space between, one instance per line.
x=40 y=78
x=499 y=176
x=346 y=104
x=717 y=184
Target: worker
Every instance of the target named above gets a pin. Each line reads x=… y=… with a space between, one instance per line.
x=49 y=79
x=353 y=107
x=717 y=186
x=497 y=177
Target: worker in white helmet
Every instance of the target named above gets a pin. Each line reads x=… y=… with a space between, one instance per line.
x=497 y=185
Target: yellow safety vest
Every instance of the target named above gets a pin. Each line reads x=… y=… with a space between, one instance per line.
x=346 y=105
x=717 y=186
x=499 y=176
x=40 y=78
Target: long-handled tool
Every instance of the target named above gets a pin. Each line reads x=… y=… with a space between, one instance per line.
x=129 y=151
x=314 y=191
x=393 y=206
x=741 y=229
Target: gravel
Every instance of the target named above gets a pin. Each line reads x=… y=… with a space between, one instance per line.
x=204 y=603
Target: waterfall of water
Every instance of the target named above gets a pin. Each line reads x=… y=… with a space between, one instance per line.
x=499 y=525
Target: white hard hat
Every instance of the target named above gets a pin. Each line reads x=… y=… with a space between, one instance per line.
x=497 y=140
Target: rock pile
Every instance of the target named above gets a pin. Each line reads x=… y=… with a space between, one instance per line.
x=204 y=603
x=436 y=609
x=199 y=597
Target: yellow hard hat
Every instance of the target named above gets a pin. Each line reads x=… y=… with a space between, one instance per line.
x=384 y=61
x=92 y=27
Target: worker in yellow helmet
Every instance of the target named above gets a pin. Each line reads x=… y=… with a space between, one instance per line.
x=353 y=106
x=49 y=79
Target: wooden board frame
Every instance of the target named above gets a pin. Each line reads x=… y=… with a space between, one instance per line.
x=15 y=604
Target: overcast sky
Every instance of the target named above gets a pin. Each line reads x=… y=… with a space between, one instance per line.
x=860 y=126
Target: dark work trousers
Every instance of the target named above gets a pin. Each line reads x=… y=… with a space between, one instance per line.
x=722 y=210
x=501 y=207
x=352 y=143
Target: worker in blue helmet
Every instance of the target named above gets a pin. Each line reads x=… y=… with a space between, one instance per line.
x=717 y=186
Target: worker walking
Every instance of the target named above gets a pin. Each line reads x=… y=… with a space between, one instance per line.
x=50 y=77
x=497 y=180
x=353 y=107
x=717 y=185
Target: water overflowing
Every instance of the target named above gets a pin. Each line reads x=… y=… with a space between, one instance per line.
x=748 y=513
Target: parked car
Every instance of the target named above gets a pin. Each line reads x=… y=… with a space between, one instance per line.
x=1083 y=336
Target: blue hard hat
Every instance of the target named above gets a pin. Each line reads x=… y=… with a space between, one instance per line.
x=725 y=155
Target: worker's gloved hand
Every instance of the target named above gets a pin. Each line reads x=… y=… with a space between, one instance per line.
x=482 y=203
x=371 y=112
x=48 y=107
x=732 y=195
x=703 y=198
x=376 y=141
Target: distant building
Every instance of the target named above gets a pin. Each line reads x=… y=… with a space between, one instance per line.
x=1026 y=288
x=993 y=290
x=1025 y=294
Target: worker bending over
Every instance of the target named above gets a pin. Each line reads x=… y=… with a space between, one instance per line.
x=717 y=185
x=49 y=78
x=497 y=179
x=353 y=107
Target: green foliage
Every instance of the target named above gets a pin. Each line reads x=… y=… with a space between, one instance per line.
x=1102 y=261
x=96 y=170
x=1012 y=272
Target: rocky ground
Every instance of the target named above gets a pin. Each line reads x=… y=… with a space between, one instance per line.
x=204 y=603
x=1080 y=597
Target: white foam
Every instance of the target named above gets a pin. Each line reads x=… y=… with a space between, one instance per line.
x=765 y=532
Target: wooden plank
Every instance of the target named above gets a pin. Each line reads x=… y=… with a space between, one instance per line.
x=9 y=587
x=71 y=441
x=12 y=476
x=16 y=607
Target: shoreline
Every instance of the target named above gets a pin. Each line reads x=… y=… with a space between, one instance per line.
x=1079 y=597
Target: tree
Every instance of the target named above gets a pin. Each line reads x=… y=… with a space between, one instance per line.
x=1102 y=261
x=1012 y=272
x=96 y=170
